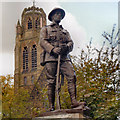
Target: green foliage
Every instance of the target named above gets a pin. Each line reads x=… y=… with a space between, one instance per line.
x=19 y=104
x=7 y=94
x=14 y=105
x=97 y=81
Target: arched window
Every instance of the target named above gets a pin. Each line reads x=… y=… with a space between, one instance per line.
x=37 y=23
x=25 y=59
x=32 y=79
x=25 y=80
x=34 y=56
x=29 y=23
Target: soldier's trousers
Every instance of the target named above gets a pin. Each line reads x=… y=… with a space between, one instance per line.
x=66 y=68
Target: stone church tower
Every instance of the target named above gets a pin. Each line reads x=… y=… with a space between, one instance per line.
x=27 y=50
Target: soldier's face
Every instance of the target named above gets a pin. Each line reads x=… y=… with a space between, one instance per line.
x=57 y=17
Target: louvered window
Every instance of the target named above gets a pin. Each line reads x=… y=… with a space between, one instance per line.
x=37 y=23
x=29 y=23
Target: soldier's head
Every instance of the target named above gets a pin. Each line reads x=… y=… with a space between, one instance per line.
x=56 y=15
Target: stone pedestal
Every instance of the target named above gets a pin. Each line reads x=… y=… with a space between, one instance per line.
x=63 y=114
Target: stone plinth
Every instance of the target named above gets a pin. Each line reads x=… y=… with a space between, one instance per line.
x=72 y=115
x=63 y=114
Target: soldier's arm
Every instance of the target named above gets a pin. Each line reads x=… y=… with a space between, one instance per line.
x=69 y=43
x=44 y=40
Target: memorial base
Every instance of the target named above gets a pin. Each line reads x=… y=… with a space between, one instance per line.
x=63 y=114
x=74 y=115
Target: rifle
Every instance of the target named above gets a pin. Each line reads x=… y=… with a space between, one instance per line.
x=57 y=84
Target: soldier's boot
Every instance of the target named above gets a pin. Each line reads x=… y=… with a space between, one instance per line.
x=72 y=92
x=51 y=97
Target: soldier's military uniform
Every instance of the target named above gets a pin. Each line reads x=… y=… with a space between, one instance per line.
x=52 y=36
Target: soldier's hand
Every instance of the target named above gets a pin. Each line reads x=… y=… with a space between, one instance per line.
x=64 y=49
x=57 y=50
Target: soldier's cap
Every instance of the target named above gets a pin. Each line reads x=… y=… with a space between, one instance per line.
x=54 y=11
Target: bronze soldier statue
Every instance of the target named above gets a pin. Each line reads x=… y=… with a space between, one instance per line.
x=55 y=40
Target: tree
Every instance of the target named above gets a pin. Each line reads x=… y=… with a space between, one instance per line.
x=98 y=80
x=7 y=95
x=21 y=104
x=14 y=105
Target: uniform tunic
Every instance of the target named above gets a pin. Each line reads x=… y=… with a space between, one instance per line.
x=55 y=36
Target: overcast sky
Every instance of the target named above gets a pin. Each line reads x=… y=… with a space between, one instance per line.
x=83 y=20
